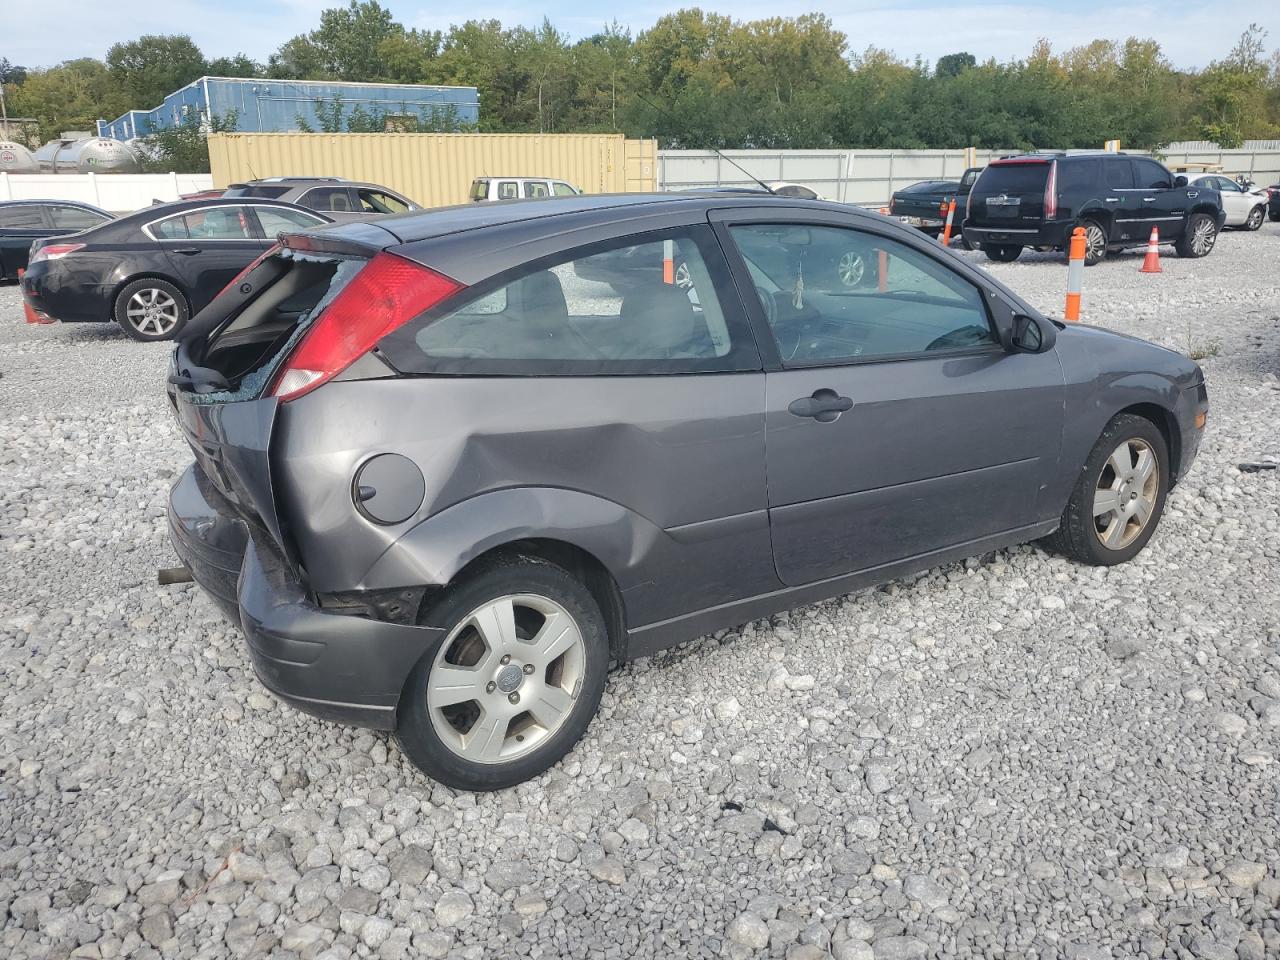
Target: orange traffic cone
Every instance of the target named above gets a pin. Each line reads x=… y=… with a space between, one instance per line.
x=1151 y=263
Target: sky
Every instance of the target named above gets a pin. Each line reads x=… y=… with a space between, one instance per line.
x=1191 y=34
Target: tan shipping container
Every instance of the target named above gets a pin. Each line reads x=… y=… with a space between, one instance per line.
x=436 y=169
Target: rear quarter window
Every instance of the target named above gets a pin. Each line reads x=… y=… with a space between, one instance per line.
x=646 y=304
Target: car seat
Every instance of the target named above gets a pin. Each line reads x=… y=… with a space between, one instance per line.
x=660 y=322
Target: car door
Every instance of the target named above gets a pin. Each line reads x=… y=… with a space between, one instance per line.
x=206 y=247
x=20 y=225
x=1119 y=195
x=895 y=423
x=1159 y=204
x=1235 y=201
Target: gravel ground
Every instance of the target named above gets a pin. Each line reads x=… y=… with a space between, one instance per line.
x=1012 y=757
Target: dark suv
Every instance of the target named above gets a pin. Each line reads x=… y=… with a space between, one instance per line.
x=1038 y=199
x=450 y=466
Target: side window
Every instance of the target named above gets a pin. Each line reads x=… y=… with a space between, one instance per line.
x=833 y=294
x=22 y=216
x=480 y=190
x=217 y=223
x=75 y=218
x=331 y=199
x=535 y=190
x=377 y=201
x=175 y=228
x=283 y=220
x=1227 y=185
x=1077 y=175
x=1119 y=174
x=1149 y=175
x=507 y=190
x=625 y=307
x=562 y=189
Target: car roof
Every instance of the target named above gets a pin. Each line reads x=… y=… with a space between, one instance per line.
x=158 y=211
x=599 y=208
x=61 y=203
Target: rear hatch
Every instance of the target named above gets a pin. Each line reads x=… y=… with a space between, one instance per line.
x=227 y=358
x=1010 y=193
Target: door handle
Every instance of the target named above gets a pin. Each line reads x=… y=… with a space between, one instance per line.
x=824 y=406
x=1148 y=199
x=1113 y=199
x=1193 y=193
x=187 y=251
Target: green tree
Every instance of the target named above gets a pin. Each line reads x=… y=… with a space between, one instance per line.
x=236 y=66
x=71 y=96
x=184 y=148
x=152 y=67
x=954 y=64
x=344 y=47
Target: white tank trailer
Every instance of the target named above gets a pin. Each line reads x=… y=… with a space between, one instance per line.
x=86 y=155
x=15 y=158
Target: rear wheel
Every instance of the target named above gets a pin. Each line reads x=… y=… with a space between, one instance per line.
x=1119 y=497
x=1095 y=242
x=151 y=309
x=1199 y=236
x=513 y=683
x=1002 y=252
x=1255 y=218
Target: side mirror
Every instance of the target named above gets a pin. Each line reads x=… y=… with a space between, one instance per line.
x=1180 y=181
x=1031 y=335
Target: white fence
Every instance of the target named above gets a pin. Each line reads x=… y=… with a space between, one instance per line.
x=116 y=192
x=869 y=177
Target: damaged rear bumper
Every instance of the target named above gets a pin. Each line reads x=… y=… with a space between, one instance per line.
x=349 y=669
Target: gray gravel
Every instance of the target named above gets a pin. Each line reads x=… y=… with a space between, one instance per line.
x=1010 y=757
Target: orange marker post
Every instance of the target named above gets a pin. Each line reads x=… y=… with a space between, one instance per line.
x=951 y=215
x=668 y=261
x=1075 y=275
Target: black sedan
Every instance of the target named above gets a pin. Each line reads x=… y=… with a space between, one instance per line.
x=22 y=222
x=153 y=270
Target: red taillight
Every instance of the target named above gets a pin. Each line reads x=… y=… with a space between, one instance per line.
x=235 y=281
x=387 y=293
x=1051 y=192
x=55 y=251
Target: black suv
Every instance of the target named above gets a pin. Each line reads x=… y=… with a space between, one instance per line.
x=1037 y=199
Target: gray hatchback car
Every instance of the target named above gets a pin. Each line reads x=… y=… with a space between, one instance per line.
x=450 y=466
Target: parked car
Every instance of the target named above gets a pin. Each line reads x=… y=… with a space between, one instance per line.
x=456 y=479
x=211 y=194
x=337 y=198
x=22 y=222
x=154 y=269
x=924 y=205
x=486 y=189
x=1038 y=199
x=1273 y=202
x=1244 y=207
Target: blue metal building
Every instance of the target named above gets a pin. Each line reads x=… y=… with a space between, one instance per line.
x=278 y=105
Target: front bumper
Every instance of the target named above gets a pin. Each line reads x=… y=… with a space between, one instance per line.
x=1192 y=413
x=340 y=667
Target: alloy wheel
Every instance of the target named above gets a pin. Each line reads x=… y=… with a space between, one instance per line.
x=682 y=278
x=1255 y=218
x=506 y=677
x=1203 y=237
x=1126 y=494
x=851 y=269
x=152 y=311
x=1095 y=242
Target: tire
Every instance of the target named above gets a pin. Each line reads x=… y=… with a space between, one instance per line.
x=1274 y=215
x=1001 y=253
x=1095 y=242
x=964 y=242
x=851 y=271
x=1198 y=238
x=151 y=309
x=1123 y=532
x=1255 y=218
x=556 y=696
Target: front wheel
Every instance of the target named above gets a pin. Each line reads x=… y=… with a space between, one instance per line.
x=1119 y=497
x=514 y=681
x=1255 y=218
x=1002 y=253
x=1199 y=236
